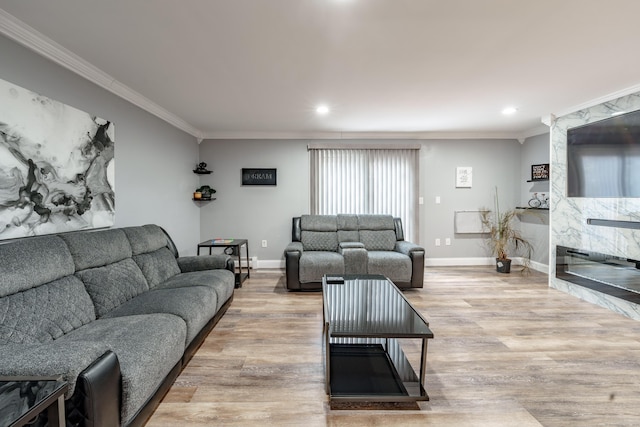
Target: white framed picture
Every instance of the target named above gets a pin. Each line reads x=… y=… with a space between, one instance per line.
x=464 y=176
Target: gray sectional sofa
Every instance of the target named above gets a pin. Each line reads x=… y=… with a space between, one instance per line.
x=115 y=312
x=351 y=244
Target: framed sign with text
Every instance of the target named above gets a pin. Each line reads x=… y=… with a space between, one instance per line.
x=259 y=176
x=540 y=172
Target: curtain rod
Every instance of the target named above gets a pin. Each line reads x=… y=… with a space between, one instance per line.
x=364 y=146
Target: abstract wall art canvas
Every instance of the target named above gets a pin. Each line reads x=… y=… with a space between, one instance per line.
x=57 y=170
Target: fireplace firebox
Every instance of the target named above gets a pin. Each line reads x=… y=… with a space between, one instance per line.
x=608 y=274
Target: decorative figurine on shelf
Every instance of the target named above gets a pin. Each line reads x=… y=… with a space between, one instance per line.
x=201 y=168
x=544 y=201
x=541 y=202
x=206 y=192
x=535 y=202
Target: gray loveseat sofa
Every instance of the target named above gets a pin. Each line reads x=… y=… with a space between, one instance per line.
x=351 y=244
x=116 y=312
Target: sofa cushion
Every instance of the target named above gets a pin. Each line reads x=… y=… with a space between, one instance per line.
x=376 y=222
x=113 y=285
x=378 y=240
x=221 y=281
x=46 y=312
x=97 y=248
x=348 y=236
x=319 y=223
x=394 y=265
x=196 y=305
x=347 y=222
x=147 y=346
x=157 y=266
x=319 y=240
x=28 y=263
x=315 y=264
x=377 y=232
x=146 y=238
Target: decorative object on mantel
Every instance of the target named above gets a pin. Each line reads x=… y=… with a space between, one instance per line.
x=503 y=236
x=539 y=172
x=201 y=169
x=57 y=167
x=259 y=176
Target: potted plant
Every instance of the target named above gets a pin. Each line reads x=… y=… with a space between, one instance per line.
x=504 y=237
x=206 y=192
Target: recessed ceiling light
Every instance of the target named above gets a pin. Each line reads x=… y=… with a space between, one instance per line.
x=322 y=109
x=509 y=110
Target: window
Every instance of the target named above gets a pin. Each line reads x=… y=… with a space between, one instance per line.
x=366 y=181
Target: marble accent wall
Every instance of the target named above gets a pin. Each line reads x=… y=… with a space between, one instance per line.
x=569 y=215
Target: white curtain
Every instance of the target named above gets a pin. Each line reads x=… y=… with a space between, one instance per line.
x=366 y=181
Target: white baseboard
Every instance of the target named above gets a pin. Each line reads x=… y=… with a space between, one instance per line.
x=428 y=262
x=447 y=262
x=270 y=263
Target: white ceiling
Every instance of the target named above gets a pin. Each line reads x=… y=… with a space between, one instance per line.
x=241 y=68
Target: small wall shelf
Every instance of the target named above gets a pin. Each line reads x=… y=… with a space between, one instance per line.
x=201 y=169
x=531 y=209
x=537 y=180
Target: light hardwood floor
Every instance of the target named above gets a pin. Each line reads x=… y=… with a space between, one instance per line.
x=508 y=351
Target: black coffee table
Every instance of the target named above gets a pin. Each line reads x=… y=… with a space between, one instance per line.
x=22 y=399
x=366 y=319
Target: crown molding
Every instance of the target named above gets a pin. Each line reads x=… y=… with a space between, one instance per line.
x=541 y=129
x=597 y=101
x=362 y=135
x=18 y=31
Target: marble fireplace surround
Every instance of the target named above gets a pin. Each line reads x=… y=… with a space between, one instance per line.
x=572 y=219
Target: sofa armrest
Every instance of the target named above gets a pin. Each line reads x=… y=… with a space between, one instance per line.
x=416 y=254
x=294 y=247
x=292 y=254
x=355 y=257
x=406 y=248
x=96 y=401
x=207 y=262
x=351 y=245
x=65 y=358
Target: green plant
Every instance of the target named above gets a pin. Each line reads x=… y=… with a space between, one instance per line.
x=503 y=236
x=206 y=191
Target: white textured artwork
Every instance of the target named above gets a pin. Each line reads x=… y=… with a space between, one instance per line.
x=56 y=166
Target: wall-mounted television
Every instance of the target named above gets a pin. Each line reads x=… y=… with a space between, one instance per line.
x=603 y=158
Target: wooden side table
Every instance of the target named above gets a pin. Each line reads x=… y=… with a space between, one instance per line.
x=22 y=399
x=235 y=245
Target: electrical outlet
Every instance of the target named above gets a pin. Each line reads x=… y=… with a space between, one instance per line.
x=447 y=241
x=437 y=242
x=437 y=200
x=264 y=243
x=421 y=200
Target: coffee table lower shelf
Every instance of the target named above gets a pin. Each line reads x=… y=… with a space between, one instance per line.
x=365 y=372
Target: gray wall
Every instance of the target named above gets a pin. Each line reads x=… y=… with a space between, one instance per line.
x=154 y=160
x=535 y=226
x=495 y=163
x=264 y=213
x=255 y=212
